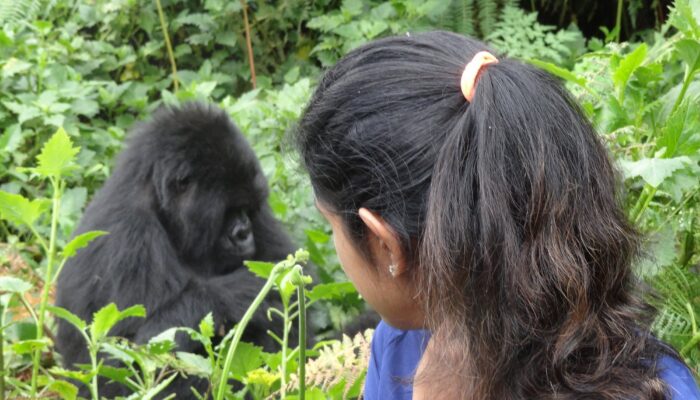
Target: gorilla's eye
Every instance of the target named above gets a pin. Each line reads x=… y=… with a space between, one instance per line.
x=182 y=183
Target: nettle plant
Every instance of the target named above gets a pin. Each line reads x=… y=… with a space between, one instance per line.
x=148 y=368
x=644 y=100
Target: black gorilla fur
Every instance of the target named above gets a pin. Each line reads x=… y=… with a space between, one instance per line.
x=185 y=205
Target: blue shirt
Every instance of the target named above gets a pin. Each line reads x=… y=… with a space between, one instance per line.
x=395 y=354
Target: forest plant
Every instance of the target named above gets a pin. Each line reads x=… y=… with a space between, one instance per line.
x=55 y=162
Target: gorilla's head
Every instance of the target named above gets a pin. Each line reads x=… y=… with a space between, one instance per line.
x=203 y=181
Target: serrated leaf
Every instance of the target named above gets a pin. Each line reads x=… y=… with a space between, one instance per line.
x=109 y=315
x=329 y=291
x=19 y=210
x=260 y=268
x=68 y=316
x=57 y=157
x=206 y=326
x=654 y=170
x=628 y=65
x=81 y=241
x=30 y=345
x=13 y=285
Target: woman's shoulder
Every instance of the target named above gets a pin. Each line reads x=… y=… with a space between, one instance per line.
x=386 y=336
x=678 y=378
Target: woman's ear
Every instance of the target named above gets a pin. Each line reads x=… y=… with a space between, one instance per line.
x=388 y=241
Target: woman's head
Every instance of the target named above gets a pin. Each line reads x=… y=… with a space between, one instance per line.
x=504 y=209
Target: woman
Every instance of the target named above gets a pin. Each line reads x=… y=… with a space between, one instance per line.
x=469 y=196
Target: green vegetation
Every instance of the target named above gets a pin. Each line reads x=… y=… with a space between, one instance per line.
x=75 y=76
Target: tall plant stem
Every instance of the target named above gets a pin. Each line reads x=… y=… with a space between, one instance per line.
x=249 y=43
x=645 y=198
x=688 y=78
x=302 y=341
x=2 y=354
x=241 y=327
x=168 y=46
x=36 y=359
x=285 y=344
x=618 y=20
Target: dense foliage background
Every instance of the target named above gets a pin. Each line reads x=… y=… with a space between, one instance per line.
x=93 y=68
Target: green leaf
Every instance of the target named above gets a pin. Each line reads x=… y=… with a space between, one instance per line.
x=19 y=210
x=330 y=291
x=30 y=345
x=83 y=377
x=68 y=316
x=654 y=170
x=158 y=388
x=66 y=390
x=685 y=16
x=260 y=268
x=560 y=72
x=317 y=236
x=109 y=315
x=689 y=51
x=206 y=326
x=116 y=374
x=13 y=285
x=196 y=364
x=246 y=358
x=628 y=65
x=681 y=134
x=57 y=157
x=81 y=241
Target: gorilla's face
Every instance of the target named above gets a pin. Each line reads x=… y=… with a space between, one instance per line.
x=212 y=190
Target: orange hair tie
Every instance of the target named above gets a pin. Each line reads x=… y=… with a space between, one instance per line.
x=472 y=70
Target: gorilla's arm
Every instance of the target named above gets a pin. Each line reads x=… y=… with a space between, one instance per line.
x=142 y=269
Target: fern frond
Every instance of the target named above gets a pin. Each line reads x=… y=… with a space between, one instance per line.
x=677 y=302
x=487 y=16
x=16 y=12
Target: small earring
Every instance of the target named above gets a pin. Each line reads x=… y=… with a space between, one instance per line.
x=392 y=270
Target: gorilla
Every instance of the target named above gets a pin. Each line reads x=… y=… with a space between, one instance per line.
x=185 y=206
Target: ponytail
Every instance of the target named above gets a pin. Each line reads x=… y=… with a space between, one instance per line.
x=507 y=206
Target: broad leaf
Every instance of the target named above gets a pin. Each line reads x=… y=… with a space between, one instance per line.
x=628 y=65
x=328 y=291
x=246 y=358
x=19 y=210
x=109 y=315
x=30 y=345
x=13 y=285
x=57 y=157
x=654 y=170
x=260 y=268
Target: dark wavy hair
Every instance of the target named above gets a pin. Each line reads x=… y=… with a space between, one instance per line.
x=507 y=207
